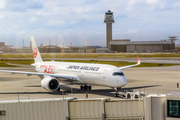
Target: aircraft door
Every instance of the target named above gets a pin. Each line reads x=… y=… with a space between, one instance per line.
x=104 y=73
x=82 y=73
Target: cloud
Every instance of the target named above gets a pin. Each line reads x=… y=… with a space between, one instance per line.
x=2 y=4
x=156 y=4
x=176 y=4
x=135 y=6
x=152 y=1
x=132 y=31
x=20 y=5
x=1 y=16
x=55 y=23
x=132 y=4
x=62 y=7
x=83 y=19
x=33 y=19
x=15 y=27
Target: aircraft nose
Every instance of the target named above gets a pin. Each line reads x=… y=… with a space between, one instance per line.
x=125 y=81
x=122 y=81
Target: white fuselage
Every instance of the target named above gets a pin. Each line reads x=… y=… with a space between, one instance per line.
x=95 y=74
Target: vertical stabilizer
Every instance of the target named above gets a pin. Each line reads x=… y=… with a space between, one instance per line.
x=36 y=53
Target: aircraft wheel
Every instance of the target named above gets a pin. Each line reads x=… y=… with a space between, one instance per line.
x=81 y=87
x=89 y=87
x=85 y=87
x=119 y=88
x=128 y=96
x=136 y=96
x=116 y=95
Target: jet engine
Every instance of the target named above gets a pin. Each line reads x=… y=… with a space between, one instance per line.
x=50 y=83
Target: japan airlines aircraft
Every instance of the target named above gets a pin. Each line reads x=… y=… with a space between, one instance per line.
x=51 y=73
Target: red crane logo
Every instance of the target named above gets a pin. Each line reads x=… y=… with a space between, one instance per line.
x=35 y=52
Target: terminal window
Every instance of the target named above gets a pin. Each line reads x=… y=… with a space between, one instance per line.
x=2 y=112
x=173 y=108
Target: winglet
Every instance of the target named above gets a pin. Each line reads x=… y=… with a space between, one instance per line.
x=36 y=53
x=131 y=65
x=138 y=61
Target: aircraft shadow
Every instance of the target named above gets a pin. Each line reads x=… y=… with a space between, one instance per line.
x=140 y=87
x=33 y=86
x=68 y=90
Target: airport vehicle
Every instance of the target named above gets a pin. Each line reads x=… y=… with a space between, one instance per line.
x=52 y=72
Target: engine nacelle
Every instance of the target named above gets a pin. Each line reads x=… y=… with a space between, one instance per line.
x=50 y=83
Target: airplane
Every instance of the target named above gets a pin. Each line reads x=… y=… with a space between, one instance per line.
x=52 y=73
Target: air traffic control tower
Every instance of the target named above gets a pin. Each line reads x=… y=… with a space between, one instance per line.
x=109 y=19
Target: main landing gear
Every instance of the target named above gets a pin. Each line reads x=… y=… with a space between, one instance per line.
x=58 y=89
x=85 y=87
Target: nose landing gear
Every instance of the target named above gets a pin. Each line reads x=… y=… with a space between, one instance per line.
x=85 y=87
x=116 y=89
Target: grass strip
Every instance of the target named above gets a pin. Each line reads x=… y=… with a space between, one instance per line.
x=91 y=55
x=3 y=63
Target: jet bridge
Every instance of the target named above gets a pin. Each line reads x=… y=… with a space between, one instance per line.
x=151 y=107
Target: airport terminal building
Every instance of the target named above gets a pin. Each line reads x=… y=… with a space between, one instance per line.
x=141 y=46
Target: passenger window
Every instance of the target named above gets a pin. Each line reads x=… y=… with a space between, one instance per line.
x=2 y=112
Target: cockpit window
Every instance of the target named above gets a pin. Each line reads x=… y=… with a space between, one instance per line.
x=118 y=74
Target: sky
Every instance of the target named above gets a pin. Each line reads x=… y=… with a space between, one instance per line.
x=80 y=22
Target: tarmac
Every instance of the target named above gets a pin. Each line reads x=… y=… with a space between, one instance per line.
x=152 y=80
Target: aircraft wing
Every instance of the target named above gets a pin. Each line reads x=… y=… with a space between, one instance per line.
x=124 y=67
x=41 y=74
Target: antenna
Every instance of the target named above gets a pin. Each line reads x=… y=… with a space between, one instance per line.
x=50 y=41
x=172 y=38
x=23 y=43
x=70 y=44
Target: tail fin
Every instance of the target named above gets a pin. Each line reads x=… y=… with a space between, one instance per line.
x=36 y=53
